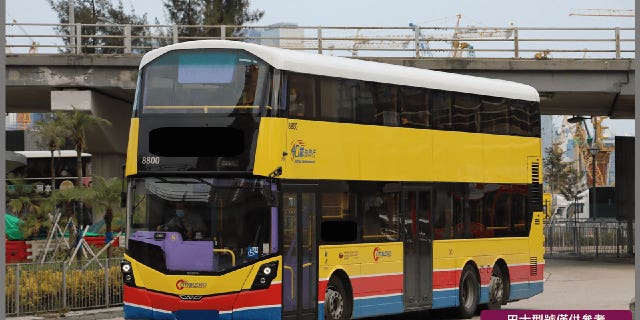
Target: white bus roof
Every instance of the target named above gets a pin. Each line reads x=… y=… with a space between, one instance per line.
x=47 y=154
x=317 y=64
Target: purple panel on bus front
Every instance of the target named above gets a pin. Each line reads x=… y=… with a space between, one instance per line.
x=180 y=255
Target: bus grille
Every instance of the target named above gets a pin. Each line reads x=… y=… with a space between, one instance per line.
x=536 y=187
x=533 y=266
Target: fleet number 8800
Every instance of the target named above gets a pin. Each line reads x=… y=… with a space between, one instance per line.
x=150 y=160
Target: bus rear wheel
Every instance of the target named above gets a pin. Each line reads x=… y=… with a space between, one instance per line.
x=468 y=292
x=337 y=304
x=497 y=289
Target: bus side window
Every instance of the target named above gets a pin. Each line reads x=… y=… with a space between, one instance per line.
x=374 y=217
x=365 y=112
x=440 y=108
x=413 y=107
x=337 y=100
x=301 y=96
x=338 y=214
x=386 y=104
x=464 y=111
x=494 y=118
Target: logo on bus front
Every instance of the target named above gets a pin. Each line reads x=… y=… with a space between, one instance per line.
x=302 y=153
x=184 y=284
x=377 y=253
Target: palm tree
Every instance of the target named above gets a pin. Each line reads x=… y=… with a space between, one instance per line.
x=24 y=205
x=78 y=122
x=105 y=194
x=53 y=135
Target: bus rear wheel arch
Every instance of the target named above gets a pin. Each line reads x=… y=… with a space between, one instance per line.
x=338 y=298
x=469 y=291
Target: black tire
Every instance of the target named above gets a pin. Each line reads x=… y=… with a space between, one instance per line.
x=469 y=292
x=338 y=304
x=497 y=289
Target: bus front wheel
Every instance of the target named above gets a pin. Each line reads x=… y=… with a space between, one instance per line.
x=337 y=304
x=469 y=292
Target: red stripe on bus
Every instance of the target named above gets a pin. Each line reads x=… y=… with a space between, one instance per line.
x=264 y=297
x=375 y=285
x=369 y=286
x=448 y=279
x=227 y=302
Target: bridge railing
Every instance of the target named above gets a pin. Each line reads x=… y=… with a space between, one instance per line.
x=413 y=41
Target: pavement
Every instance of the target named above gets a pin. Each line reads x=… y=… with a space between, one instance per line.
x=96 y=314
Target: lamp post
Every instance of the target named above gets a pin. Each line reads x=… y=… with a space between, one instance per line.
x=575 y=224
x=594 y=152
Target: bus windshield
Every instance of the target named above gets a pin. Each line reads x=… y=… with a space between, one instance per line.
x=203 y=81
x=202 y=224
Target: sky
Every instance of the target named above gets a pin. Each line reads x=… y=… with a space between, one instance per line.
x=494 y=13
x=379 y=13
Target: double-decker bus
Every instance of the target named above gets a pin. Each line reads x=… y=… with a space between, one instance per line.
x=37 y=170
x=265 y=183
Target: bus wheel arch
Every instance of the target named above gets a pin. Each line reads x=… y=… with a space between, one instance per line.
x=469 y=291
x=499 y=285
x=338 y=299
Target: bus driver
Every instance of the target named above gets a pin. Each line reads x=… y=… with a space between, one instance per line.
x=190 y=225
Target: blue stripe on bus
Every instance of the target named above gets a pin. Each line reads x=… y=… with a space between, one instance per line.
x=525 y=290
x=449 y=298
x=139 y=312
x=445 y=298
x=375 y=306
x=133 y=312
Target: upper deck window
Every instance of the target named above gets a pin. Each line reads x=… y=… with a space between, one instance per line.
x=203 y=81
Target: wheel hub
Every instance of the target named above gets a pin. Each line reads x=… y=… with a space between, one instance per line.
x=335 y=303
x=496 y=289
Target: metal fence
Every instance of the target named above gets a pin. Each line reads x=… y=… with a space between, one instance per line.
x=589 y=239
x=35 y=288
x=408 y=41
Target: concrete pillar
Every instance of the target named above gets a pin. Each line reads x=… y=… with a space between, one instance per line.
x=107 y=144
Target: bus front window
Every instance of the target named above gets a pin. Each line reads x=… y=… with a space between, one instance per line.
x=204 y=81
x=202 y=225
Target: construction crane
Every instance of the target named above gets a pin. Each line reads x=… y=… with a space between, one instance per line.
x=472 y=32
x=582 y=136
x=370 y=42
x=626 y=13
x=34 y=45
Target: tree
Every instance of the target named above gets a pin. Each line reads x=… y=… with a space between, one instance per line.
x=30 y=208
x=78 y=122
x=53 y=135
x=96 y=39
x=210 y=12
x=105 y=195
x=555 y=168
x=573 y=185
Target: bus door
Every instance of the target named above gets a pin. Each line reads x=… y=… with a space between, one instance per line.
x=300 y=267
x=418 y=254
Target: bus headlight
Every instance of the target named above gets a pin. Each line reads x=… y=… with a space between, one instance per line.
x=266 y=274
x=127 y=272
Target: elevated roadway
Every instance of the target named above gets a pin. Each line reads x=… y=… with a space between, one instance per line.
x=566 y=86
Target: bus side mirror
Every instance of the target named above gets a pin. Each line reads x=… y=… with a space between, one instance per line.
x=274 y=200
x=123 y=199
